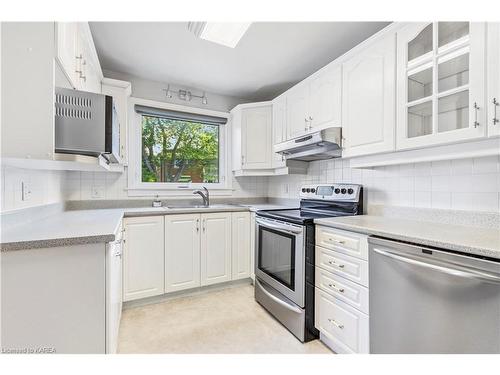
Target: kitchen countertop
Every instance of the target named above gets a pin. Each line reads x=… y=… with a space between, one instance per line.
x=478 y=241
x=73 y=227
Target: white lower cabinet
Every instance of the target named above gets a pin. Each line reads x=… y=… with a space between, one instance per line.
x=143 y=261
x=343 y=327
x=240 y=245
x=215 y=248
x=170 y=253
x=341 y=290
x=182 y=252
x=114 y=292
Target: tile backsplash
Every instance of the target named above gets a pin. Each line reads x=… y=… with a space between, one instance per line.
x=465 y=184
x=45 y=187
x=80 y=186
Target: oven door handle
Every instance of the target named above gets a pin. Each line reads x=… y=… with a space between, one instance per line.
x=286 y=228
x=276 y=299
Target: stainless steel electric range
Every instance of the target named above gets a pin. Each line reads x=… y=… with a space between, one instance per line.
x=284 y=253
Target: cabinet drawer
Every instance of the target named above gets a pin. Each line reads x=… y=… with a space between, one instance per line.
x=346 y=328
x=349 y=243
x=354 y=269
x=343 y=289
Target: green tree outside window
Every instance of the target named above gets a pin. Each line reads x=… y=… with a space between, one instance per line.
x=179 y=151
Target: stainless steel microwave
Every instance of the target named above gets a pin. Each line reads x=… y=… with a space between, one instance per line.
x=86 y=124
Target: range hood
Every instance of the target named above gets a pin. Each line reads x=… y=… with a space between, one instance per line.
x=325 y=144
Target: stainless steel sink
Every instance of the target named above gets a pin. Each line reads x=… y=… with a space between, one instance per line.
x=189 y=206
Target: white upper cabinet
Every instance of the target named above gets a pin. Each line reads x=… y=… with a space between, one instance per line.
x=315 y=103
x=67 y=51
x=325 y=98
x=279 y=128
x=493 y=85
x=257 y=137
x=252 y=136
x=368 y=99
x=77 y=56
x=297 y=110
x=440 y=83
x=215 y=248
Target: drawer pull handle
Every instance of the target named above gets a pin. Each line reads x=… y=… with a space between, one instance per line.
x=340 y=290
x=337 y=241
x=336 y=324
x=333 y=263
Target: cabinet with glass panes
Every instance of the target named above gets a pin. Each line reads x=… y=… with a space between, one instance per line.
x=440 y=83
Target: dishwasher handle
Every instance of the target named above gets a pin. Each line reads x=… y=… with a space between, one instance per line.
x=455 y=271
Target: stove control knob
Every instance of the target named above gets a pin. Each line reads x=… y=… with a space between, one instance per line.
x=350 y=191
x=303 y=190
x=308 y=190
x=313 y=190
x=343 y=191
x=337 y=191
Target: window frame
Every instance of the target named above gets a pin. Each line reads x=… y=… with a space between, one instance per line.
x=136 y=187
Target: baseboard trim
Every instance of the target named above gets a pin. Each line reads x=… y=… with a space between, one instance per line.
x=186 y=293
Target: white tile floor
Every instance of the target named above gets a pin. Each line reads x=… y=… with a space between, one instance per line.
x=220 y=321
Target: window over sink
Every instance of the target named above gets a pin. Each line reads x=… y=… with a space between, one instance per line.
x=173 y=147
x=179 y=151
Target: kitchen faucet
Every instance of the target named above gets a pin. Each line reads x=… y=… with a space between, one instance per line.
x=205 y=195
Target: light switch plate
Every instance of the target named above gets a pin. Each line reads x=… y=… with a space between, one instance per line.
x=97 y=192
x=26 y=189
x=285 y=188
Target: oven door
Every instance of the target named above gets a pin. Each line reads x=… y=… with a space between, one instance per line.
x=280 y=257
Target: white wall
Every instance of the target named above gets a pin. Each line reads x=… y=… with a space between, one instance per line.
x=468 y=184
x=152 y=90
x=46 y=187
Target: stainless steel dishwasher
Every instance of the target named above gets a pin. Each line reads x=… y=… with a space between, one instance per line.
x=424 y=300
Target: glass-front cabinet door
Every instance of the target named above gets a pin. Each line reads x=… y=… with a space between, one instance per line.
x=440 y=83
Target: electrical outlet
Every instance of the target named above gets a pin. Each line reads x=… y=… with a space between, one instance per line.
x=26 y=189
x=97 y=192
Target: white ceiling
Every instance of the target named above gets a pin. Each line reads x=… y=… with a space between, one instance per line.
x=270 y=58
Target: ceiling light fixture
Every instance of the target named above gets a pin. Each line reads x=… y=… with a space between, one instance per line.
x=226 y=33
x=185 y=95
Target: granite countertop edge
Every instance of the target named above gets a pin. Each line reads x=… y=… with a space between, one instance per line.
x=56 y=242
x=475 y=250
x=110 y=235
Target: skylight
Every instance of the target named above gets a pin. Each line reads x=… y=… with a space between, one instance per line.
x=225 y=33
